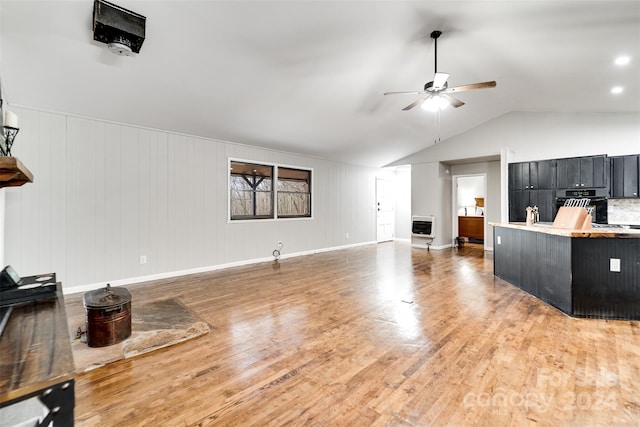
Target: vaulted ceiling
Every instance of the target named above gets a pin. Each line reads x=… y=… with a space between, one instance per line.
x=309 y=76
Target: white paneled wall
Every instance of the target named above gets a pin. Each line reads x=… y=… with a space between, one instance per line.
x=106 y=194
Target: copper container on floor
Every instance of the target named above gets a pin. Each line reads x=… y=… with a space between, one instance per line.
x=107 y=316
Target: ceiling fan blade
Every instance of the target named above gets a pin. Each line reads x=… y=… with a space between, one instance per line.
x=453 y=101
x=415 y=104
x=405 y=93
x=439 y=80
x=472 y=86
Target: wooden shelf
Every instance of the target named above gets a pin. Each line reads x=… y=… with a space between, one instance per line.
x=13 y=173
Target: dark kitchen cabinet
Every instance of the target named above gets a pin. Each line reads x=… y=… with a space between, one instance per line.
x=517 y=205
x=544 y=200
x=520 y=199
x=532 y=175
x=546 y=174
x=532 y=184
x=625 y=176
x=581 y=172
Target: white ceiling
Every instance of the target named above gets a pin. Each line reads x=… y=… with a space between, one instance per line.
x=308 y=76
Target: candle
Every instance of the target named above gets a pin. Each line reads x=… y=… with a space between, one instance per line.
x=10 y=119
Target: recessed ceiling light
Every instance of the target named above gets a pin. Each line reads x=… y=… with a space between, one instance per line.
x=622 y=60
x=617 y=89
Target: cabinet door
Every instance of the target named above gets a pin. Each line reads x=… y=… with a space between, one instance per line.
x=624 y=176
x=581 y=172
x=514 y=171
x=598 y=179
x=546 y=174
x=544 y=200
x=573 y=173
x=617 y=177
x=517 y=206
x=522 y=175
x=562 y=171
x=534 y=179
x=630 y=186
x=586 y=172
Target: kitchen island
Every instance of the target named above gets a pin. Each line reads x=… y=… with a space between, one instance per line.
x=584 y=273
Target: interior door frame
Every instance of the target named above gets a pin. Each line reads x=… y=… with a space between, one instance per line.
x=454 y=205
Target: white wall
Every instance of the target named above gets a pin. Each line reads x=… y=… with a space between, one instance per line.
x=539 y=136
x=403 y=203
x=105 y=193
x=525 y=137
x=431 y=195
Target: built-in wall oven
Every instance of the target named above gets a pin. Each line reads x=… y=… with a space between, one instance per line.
x=597 y=204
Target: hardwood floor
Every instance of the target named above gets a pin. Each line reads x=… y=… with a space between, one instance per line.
x=379 y=335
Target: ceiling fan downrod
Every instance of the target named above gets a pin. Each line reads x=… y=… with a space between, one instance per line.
x=434 y=36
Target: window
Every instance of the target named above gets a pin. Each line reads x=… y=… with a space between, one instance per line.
x=250 y=191
x=253 y=195
x=294 y=193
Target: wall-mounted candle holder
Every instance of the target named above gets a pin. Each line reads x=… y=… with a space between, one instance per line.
x=10 y=129
x=9 y=136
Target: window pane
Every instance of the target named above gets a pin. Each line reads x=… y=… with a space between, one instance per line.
x=294 y=192
x=251 y=191
x=294 y=204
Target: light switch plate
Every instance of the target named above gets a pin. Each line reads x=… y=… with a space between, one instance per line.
x=614 y=264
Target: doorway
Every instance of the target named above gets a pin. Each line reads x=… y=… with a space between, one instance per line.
x=385 y=205
x=469 y=209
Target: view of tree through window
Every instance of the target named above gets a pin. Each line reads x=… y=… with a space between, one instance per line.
x=251 y=191
x=294 y=192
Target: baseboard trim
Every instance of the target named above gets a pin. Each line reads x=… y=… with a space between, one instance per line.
x=141 y=279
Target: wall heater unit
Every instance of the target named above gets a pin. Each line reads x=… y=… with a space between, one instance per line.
x=423 y=226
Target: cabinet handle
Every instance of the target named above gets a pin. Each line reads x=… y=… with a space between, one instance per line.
x=532 y=186
x=526 y=186
x=581 y=185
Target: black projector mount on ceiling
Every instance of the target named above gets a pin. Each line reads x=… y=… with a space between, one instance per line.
x=121 y=29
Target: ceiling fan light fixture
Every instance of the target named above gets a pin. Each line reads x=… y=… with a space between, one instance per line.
x=435 y=103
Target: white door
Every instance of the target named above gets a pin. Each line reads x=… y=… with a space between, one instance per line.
x=385 y=203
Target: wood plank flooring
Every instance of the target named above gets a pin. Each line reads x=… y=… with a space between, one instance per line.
x=379 y=335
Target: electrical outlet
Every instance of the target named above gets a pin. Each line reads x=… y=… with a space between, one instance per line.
x=346 y=235
x=143 y=259
x=614 y=265
x=498 y=240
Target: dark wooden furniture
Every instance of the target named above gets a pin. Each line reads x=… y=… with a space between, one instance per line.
x=573 y=270
x=36 y=359
x=471 y=226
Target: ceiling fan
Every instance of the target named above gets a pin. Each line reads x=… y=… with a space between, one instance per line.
x=437 y=91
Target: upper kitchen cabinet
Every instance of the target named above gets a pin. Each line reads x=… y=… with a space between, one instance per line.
x=582 y=172
x=625 y=176
x=532 y=175
x=546 y=174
